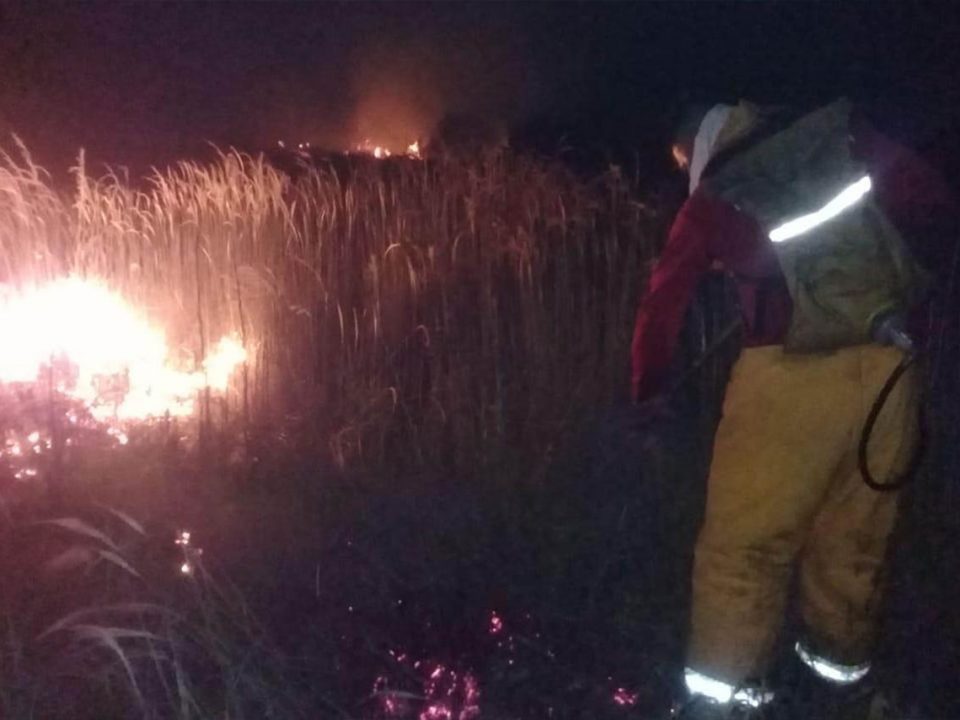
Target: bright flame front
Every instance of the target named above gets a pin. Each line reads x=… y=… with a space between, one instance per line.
x=381 y=152
x=107 y=355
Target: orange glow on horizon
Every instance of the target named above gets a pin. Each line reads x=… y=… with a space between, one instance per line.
x=381 y=152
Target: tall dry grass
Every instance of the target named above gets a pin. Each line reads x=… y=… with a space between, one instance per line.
x=430 y=313
x=101 y=622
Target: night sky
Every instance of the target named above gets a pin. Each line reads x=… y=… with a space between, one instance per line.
x=145 y=83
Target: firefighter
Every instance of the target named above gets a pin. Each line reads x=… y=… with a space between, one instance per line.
x=810 y=214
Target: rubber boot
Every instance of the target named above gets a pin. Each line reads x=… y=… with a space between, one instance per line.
x=700 y=708
x=703 y=708
x=804 y=695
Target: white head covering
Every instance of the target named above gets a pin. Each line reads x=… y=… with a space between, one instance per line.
x=706 y=140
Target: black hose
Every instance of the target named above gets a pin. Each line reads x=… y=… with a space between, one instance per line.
x=888 y=386
x=862 y=452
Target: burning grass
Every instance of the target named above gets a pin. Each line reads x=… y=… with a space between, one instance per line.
x=387 y=308
x=407 y=318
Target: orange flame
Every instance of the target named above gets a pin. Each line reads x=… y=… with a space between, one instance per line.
x=368 y=147
x=120 y=365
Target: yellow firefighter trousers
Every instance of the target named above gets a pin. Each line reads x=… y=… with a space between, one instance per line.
x=785 y=487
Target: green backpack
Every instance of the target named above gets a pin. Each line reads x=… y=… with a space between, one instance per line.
x=845 y=264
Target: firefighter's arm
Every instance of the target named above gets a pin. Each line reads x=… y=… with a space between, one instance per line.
x=682 y=264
